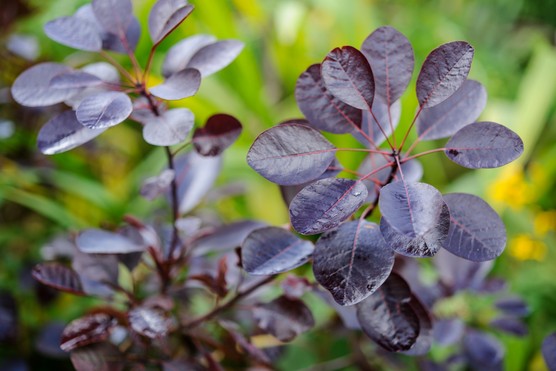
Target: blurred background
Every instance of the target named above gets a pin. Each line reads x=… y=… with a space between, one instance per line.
x=96 y=184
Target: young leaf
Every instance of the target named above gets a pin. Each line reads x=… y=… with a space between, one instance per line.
x=484 y=145
x=415 y=219
x=323 y=110
x=165 y=16
x=32 y=88
x=180 y=85
x=387 y=316
x=212 y=58
x=104 y=110
x=219 y=133
x=172 y=127
x=390 y=55
x=113 y=15
x=352 y=261
x=98 y=241
x=284 y=318
x=273 y=250
x=59 y=277
x=325 y=204
x=290 y=154
x=476 y=231
x=74 y=32
x=383 y=114
x=74 y=79
x=424 y=340
x=63 y=132
x=460 y=109
x=150 y=322
x=179 y=55
x=483 y=350
x=90 y=329
x=443 y=72
x=348 y=76
x=549 y=351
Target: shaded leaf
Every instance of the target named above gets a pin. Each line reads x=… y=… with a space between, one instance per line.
x=171 y=127
x=326 y=203
x=98 y=357
x=254 y=353
x=443 y=72
x=476 y=231
x=213 y=57
x=150 y=322
x=510 y=325
x=179 y=85
x=458 y=273
x=323 y=110
x=348 y=76
x=294 y=287
x=460 y=109
x=549 y=351
x=74 y=79
x=74 y=32
x=284 y=318
x=415 y=219
x=383 y=114
x=89 y=329
x=98 y=273
x=514 y=306
x=484 y=145
x=352 y=261
x=157 y=185
x=290 y=154
x=113 y=15
x=347 y=314
x=448 y=331
x=219 y=133
x=273 y=250
x=390 y=55
x=387 y=316
x=483 y=350
x=98 y=241
x=103 y=110
x=58 y=276
x=179 y=55
x=424 y=340
x=226 y=237
x=63 y=132
x=165 y=16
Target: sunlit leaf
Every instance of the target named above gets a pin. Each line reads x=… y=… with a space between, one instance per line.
x=150 y=322
x=165 y=16
x=74 y=32
x=219 y=133
x=172 y=127
x=103 y=110
x=74 y=79
x=179 y=55
x=180 y=85
x=213 y=57
x=58 y=276
x=90 y=329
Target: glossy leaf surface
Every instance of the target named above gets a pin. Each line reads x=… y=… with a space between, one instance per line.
x=74 y=32
x=90 y=329
x=180 y=54
x=326 y=203
x=352 y=261
x=104 y=110
x=59 y=277
x=219 y=133
x=165 y=16
x=172 y=127
x=213 y=57
x=180 y=85
x=98 y=241
x=113 y=15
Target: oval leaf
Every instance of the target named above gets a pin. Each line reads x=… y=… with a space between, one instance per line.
x=180 y=85
x=390 y=55
x=74 y=79
x=273 y=250
x=387 y=316
x=323 y=110
x=476 y=231
x=443 y=72
x=219 y=133
x=74 y=32
x=165 y=16
x=64 y=132
x=90 y=329
x=59 y=277
x=113 y=15
x=290 y=154
x=352 y=261
x=179 y=55
x=348 y=76
x=484 y=145
x=104 y=110
x=212 y=58
x=325 y=204
x=460 y=109
x=172 y=127
x=284 y=318
x=415 y=219
x=98 y=241
x=549 y=351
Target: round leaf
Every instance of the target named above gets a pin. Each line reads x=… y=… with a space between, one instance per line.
x=104 y=110
x=212 y=58
x=59 y=277
x=113 y=15
x=165 y=16
x=219 y=133
x=179 y=55
x=172 y=127
x=98 y=241
x=180 y=85
x=74 y=32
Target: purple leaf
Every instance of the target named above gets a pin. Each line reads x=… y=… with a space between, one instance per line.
x=290 y=153
x=273 y=250
x=510 y=325
x=180 y=85
x=448 y=331
x=157 y=185
x=460 y=109
x=458 y=273
x=514 y=306
x=179 y=55
x=98 y=273
x=219 y=133
x=484 y=351
x=59 y=277
x=387 y=316
x=32 y=88
x=391 y=58
x=90 y=329
x=98 y=357
x=424 y=340
x=171 y=127
x=226 y=237
x=113 y=15
x=549 y=351
x=165 y=16
x=104 y=110
x=323 y=110
x=484 y=145
x=98 y=241
x=415 y=219
x=64 y=132
x=476 y=231
x=383 y=114
x=348 y=76
x=443 y=72
x=150 y=322
x=284 y=318
x=104 y=71
x=74 y=79
x=213 y=57
x=254 y=353
x=325 y=204
x=74 y=32
x=352 y=261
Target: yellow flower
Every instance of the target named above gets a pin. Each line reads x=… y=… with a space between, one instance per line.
x=545 y=222
x=523 y=247
x=511 y=188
